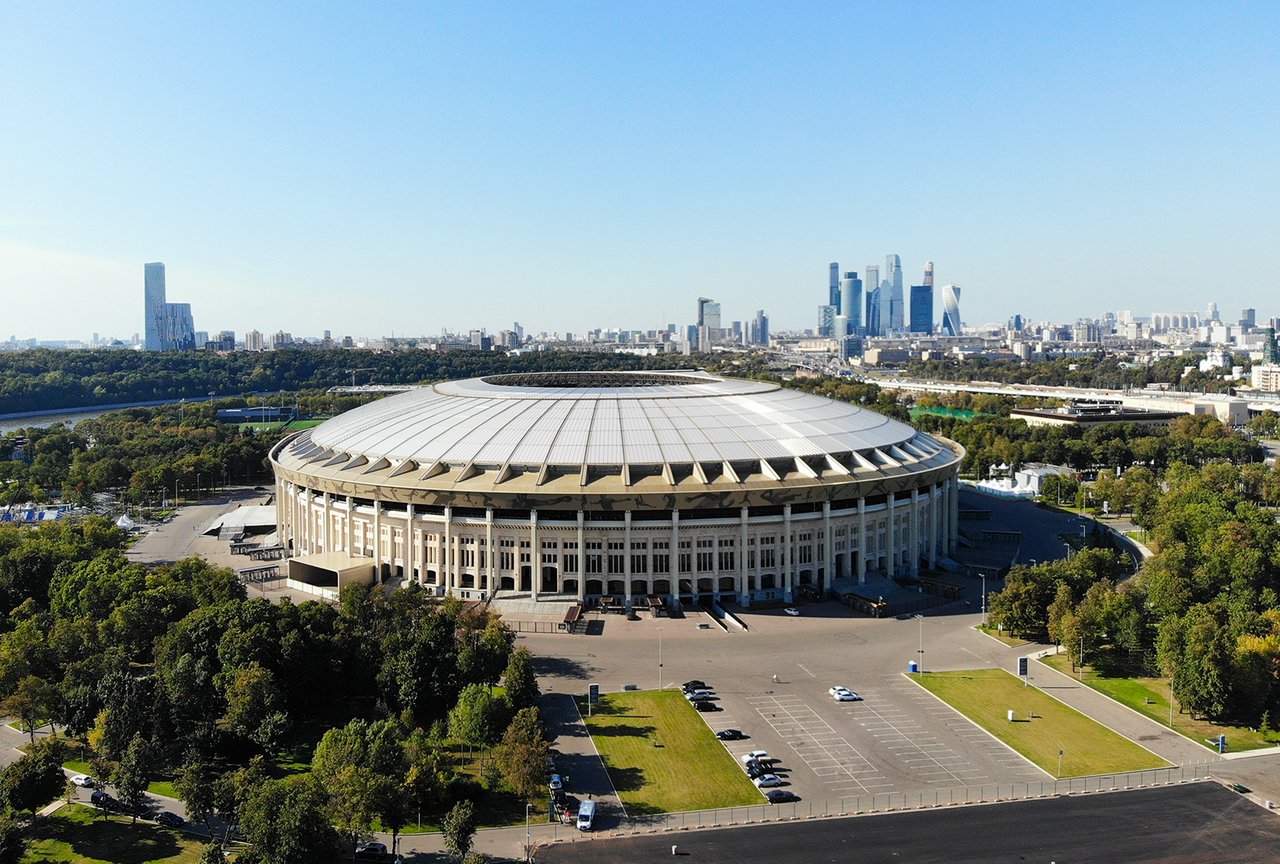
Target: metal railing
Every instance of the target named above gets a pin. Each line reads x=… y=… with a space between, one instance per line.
x=861 y=805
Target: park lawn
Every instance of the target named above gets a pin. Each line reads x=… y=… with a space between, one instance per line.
x=662 y=758
x=1150 y=696
x=1043 y=725
x=79 y=835
x=997 y=634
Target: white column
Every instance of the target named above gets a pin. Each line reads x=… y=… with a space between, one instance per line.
x=446 y=563
x=441 y=556
x=744 y=594
x=828 y=547
x=351 y=524
x=582 y=558
x=626 y=553
x=954 y=515
x=892 y=557
x=377 y=538
x=675 y=556
x=328 y=521
x=787 y=563
x=456 y=556
x=813 y=549
x=862 y=540
x=410 y=545
x=931 y=548
x=913 y=535
x=489 y=552
x=535 y=556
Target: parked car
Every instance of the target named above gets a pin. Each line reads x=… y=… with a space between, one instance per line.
x=83 y=780
x=792 y=611
x=99 y=798
x=704 y=705
x=756 y=769
x=556 y=784
x=173 y=820
x=766 y=780
x=780 y=796
x=586 y=815
x=372 y=850
x=758 y=755
x=730 y=735
x=695 y=684
x=844 y=694
x=698 y=695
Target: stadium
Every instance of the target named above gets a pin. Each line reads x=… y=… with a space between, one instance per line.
x=632 y=486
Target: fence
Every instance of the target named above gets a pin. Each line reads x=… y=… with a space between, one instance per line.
x=885 y=802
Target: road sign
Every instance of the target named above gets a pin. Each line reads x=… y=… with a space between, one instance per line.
x=1022 y=667
x=593 y=694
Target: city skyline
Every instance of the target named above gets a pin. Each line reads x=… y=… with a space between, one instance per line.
x=467 y=167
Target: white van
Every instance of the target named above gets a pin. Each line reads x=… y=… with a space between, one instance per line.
x=586 y=813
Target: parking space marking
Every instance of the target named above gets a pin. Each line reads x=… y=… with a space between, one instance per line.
x=824 y=751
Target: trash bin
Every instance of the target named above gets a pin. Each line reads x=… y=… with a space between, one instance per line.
x=913 y=667
x=1011 y=716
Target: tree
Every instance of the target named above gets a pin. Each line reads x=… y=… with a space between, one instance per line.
x=194 y=785
x=130 y=778
x=522 y=756
x=474 y=720
x=212 y=854
x=1061 y=606
x=35 y=779
x=285 y=821
x=13 y=838
x=522 y=686
x=32 y=702
x=429 y=777
x=459 y=828
x=254 y=707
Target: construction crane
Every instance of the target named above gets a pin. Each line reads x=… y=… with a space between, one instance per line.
x=361 y=369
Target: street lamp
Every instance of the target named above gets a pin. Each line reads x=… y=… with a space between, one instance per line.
x=984 y=599
x=528 y=846
x=659 y=658
x=920 y=618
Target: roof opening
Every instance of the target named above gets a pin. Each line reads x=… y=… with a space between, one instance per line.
x=560 y=380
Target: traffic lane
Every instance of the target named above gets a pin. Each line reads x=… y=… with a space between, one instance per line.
x=1198 y=823
x=578 y=759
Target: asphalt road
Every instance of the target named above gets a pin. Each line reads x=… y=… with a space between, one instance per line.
x=1200 y=822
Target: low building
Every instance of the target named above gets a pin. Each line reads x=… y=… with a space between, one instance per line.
x=1032 y=475
x=1092 y=414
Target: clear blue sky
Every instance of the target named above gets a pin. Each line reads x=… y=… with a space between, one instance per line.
x=380 y=167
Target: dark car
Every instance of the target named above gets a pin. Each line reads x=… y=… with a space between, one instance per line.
x=706 y=706
x=730 y=735
x=780 y=796
x=693 y=685
x=173 y=820
x=755 y=769
x=101 y=799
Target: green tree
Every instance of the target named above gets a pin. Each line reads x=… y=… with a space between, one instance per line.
x=475 y=719
x=130 y=778
x=254 y=707
x=32 y=702
x=35 y=779
x=1061 y=606
x=285 y=820
x=194 y=784
x=212 y=854
x=13 y=838
x=522 y=686
x=459 y=828
x=522 y=755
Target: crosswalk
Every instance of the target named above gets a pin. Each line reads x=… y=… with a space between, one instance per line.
x=823 y=750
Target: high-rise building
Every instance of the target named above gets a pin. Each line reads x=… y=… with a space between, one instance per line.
x=833 y=290
x=922 y=303
x=760 y=328
x=871 y=321
x=826 y=320
x=153 y=311
x=1248 y=319
x=851 y=301
x=1270 y=351
x=893 y=275
x=1211 y=313
x=708 y=313
x=951 y=310
x=253 y=341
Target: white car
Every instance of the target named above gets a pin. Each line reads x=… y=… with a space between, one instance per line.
x=757 y=755
x=844 y=694
x=83 y=780
x=766 y=780
x=792 y=611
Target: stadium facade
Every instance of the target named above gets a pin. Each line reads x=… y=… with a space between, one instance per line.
x=576 y=485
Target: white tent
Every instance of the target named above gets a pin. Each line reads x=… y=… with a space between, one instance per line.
x=124 y=522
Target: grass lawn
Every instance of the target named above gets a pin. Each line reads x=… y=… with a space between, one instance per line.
x=662 y=758
x=1003 y=637
x=1150 y=696
x=1043 y=725
x=78 y=835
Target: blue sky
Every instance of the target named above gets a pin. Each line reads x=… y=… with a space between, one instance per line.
x=381 y=167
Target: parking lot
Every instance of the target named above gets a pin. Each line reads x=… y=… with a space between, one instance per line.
x=897 y=738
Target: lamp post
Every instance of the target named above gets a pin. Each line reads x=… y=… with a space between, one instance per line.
x=920 y=618
x=659 y=658
x=984 y=598
x=528 y=847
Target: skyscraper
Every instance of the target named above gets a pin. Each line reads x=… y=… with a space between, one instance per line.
x=872 y=318
x=833 y=291
x=893 y=275
x=826 y=320
x=851 y=301
x=922 y=303
x=951 y=310
x=760 y=328
x=153 y=306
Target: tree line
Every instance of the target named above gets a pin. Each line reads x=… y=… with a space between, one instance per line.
x=1092 y=371
x=173 y=671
